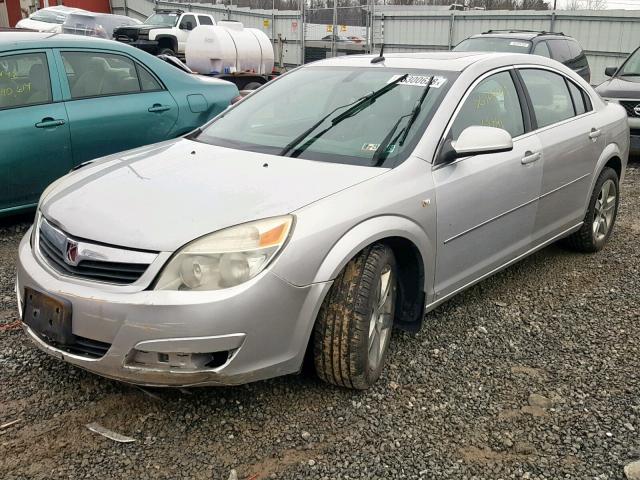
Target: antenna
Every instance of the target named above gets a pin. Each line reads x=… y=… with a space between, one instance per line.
x=380 y=57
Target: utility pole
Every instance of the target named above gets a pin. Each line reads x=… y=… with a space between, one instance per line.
x=334 y=47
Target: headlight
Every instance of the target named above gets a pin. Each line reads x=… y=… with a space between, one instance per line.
x=226 y=258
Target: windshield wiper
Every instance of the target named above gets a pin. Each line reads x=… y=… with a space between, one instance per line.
x=355 y=108
x=287 y=148
x=629 y=75
x=382 y=151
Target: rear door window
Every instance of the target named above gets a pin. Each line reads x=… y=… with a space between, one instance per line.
x=560 y=50
x=24 y=80
x=542 y=49
x=549 y=95
x=204 y=20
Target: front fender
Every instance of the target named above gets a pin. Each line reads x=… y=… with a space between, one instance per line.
x=162 y=33
x=369 y=232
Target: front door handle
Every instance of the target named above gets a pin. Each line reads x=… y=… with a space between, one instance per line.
x=49 y=122
x=159 y=108
x=530 y=157
x=594 y=133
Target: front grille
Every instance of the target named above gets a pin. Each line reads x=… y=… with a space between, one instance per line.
x=87 y=347
x=82 y=346
x=635 y=132
x=124 y=34
x=630 y=106
x=54 y=251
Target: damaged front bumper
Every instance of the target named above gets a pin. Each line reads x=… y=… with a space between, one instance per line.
x=251 y=332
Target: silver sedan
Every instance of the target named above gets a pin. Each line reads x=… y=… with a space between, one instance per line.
x=342 y=199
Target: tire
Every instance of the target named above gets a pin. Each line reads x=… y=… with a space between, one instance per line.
x=252 y=86
x=342 y=334
x=593 y=237
x=167 y=51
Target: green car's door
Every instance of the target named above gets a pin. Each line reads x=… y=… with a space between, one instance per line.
x=34 y=128
x=114 y=103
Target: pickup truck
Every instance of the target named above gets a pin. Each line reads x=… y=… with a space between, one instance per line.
x=163 y=33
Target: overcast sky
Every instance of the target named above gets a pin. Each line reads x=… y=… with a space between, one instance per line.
x=624 y=4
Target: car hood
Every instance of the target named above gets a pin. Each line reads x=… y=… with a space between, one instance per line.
x=628 y=87
x=163 y=196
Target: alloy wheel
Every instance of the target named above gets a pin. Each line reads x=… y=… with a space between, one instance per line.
x=604 y=211
x=381 y=317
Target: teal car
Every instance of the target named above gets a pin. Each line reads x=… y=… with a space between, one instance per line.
x=67 y=99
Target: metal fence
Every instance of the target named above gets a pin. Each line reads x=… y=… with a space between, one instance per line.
x=606 y=36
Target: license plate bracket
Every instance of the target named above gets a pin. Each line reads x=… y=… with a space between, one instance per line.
x=48 y=316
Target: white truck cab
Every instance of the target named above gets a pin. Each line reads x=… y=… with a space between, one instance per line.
x=164 y=32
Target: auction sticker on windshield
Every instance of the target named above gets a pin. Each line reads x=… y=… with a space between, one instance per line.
x=420 y=80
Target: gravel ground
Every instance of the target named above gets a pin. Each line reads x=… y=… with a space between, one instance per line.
x=532 y=374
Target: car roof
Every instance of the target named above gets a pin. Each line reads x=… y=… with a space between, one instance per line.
x=22 y=40
x=447 y=61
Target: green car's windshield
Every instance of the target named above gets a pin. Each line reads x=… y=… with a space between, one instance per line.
x=631 y=67
x=320 y=113
x=493 y=44
x=163 y=19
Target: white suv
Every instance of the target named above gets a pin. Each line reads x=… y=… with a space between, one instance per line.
x=164 y=32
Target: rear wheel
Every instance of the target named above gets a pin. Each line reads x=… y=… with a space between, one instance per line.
x=600 y=217
x=353 y=330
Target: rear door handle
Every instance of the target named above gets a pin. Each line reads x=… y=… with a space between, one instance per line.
x=530 y=157
x=159 y=108
x=594 y=133
x=49 y=122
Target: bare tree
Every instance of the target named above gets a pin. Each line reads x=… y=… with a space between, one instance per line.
x=586 y=5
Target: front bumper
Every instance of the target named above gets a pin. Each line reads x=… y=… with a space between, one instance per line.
x=149 y=46
x=264 y=325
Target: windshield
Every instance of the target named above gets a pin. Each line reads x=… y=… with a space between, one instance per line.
x=631 y=67
x=493 y=44
x=164 y=19
x=318 y=113
x=49 y=16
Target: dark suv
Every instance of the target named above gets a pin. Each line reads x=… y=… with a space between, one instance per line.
x=624 y=88
x=557 y=46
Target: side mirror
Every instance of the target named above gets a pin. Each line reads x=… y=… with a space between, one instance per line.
x=610 y=71
x=477 y=140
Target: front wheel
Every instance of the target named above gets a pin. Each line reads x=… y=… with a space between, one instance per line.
x=353 y=329
x=167 y=51
x=600 y=217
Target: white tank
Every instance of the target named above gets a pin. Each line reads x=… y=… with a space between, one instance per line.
x=228 y=47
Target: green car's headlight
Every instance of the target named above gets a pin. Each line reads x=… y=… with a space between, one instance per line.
x=226 y=258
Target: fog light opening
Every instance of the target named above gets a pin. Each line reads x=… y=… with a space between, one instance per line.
x=218 y=359
x=178 y=361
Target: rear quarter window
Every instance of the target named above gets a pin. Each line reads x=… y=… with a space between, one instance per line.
x=578 y=57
